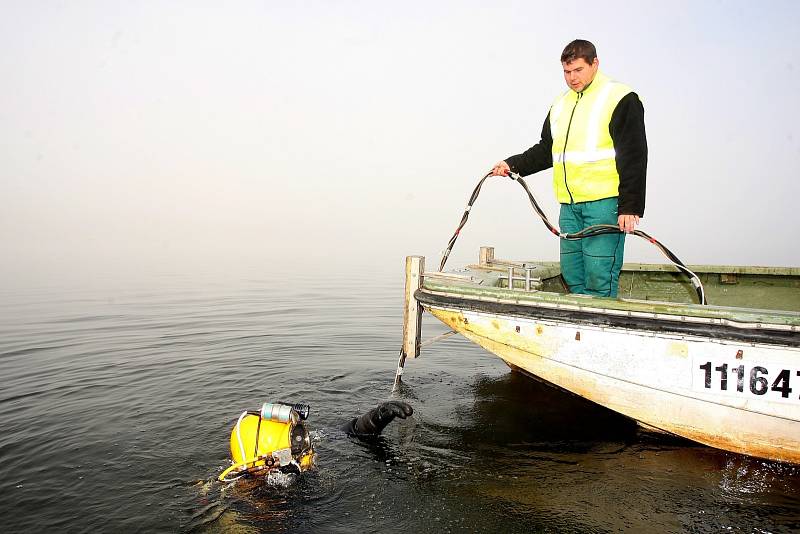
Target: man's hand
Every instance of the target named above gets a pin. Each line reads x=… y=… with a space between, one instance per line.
x=627 y=223
x=501 y=169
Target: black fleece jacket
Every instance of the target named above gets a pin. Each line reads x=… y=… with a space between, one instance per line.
x=630 y=144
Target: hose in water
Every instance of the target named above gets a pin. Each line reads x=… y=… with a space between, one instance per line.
x=589 y=231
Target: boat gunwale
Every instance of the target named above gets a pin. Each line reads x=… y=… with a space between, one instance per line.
x=781 y=335
x=746 y=317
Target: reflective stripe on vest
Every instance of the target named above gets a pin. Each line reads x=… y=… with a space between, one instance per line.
x=585 y=169
x=584 y=156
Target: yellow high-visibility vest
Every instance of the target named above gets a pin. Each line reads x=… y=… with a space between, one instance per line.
x=584 y=164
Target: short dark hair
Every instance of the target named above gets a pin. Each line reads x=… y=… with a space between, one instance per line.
x=579 y=48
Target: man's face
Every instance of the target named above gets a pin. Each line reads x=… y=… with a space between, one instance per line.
x=578 y=74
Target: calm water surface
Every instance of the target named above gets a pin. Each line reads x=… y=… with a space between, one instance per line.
x=117 y=403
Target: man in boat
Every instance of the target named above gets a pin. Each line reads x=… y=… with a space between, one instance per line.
x=594 y=139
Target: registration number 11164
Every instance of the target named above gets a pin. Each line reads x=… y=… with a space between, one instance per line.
x=750 y=380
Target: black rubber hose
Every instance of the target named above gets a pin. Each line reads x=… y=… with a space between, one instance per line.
x=589 y=231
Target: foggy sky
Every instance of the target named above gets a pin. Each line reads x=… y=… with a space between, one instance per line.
x=191 y=135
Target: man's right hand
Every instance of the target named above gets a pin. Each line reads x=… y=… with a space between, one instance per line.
x=501 y=169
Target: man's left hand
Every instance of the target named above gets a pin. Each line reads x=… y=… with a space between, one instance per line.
x=627 y=223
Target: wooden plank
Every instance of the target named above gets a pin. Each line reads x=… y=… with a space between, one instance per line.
x=412 y=312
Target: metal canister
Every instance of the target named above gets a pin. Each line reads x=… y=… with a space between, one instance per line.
x=280 y=413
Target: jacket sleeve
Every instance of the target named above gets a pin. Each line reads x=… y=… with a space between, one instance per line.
x=630 y=143
x=536 y=158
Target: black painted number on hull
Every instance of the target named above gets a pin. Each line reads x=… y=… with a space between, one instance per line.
x=756 y=379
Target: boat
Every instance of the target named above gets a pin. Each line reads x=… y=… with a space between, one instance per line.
x=725 y=374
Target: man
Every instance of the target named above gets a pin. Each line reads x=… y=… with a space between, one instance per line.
x=277 y=438
x=594 y=139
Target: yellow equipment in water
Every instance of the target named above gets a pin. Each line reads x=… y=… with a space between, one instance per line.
x=274 y=438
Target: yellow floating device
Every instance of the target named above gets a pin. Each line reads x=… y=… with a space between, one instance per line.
x=274 y=438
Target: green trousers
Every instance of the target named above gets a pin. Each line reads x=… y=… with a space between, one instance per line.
x=591 y=266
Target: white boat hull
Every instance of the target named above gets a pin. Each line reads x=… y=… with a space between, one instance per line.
x=737 y=396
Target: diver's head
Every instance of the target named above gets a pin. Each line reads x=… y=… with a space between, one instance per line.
x=274 y=438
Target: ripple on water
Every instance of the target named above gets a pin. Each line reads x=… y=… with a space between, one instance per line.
x=117 y=405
